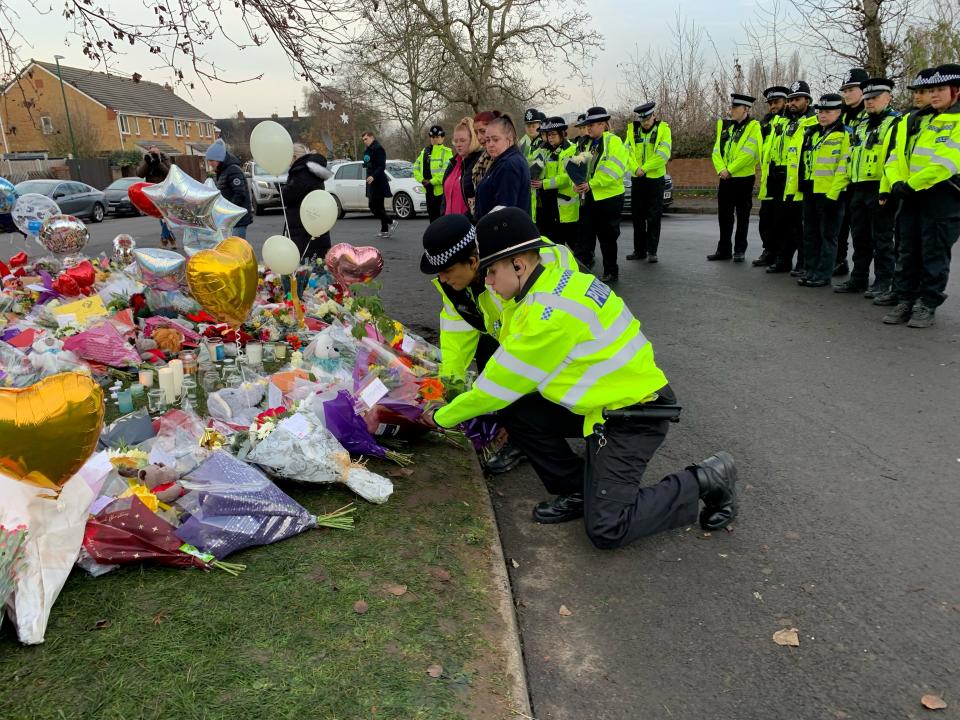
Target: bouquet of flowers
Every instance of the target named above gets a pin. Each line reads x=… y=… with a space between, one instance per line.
x=537 y=166
x=11 y=555
x=578 y=167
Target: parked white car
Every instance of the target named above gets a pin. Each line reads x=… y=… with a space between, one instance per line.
x=264 y=188
x=349 y=188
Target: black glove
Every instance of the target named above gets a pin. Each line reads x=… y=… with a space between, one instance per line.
x=901 y=189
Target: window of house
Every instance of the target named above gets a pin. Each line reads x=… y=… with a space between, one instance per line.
x=124 y=124
x=163 y=127
x=186 y=128
x=46 y=125
x=178 y=127
x=136 y=125
x=153 y=125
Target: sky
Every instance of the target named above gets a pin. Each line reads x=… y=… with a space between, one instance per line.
x=627 y=28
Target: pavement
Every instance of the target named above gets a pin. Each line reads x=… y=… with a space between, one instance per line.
x=845 y=432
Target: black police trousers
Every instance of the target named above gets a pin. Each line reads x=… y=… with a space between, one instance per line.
x=434 y=205
x=549 y=225
x=603 y=226
x=788 y=235
x=646 y=207
x=821 y=222
x=846 y=226
x=734 y=199
x=770 y=211
x=929 y=224
x=871 y=226
x=617 y=509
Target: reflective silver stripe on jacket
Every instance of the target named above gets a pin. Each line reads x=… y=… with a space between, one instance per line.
x=571 y=307
x=487 y=385
x=597 y=372
x=518 y=366
x=607 y=338
x=447 y=325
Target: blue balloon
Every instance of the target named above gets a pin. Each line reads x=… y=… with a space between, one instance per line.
x=34 y=226
x=8 y=196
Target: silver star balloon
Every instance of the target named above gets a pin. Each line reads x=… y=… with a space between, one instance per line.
x=197 y=239
x=182 y=200
x=225 y=214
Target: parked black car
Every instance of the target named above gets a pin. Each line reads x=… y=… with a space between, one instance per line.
x=667 y=193
x=73 y=198
x=118 y=202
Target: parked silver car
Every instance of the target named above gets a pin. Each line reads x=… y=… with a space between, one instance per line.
x=264 y=187
x=73 y=198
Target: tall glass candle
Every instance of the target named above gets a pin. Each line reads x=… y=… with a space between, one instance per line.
x=166 y=382
x=146 y=377
x=177 y=367
x=254 y=353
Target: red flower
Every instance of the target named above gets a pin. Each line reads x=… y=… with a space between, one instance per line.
x=294 y=341
x=202 y=317
x=138 y=301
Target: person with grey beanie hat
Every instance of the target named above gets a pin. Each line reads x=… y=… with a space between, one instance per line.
x=231 y=182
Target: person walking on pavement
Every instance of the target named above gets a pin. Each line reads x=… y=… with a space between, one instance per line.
x=153 y=169
x=773 y=171
x=928 y=182
x=507 y=181
x=558 y=206
x=231 y=182
x=429 y=168
x=573 y=362
x=822 y=178
x=470 y=315
x=736 y=154
x=854 y=113
x=789 y=232
x=871 y=222
x=378 y=186
x=307 y=173
x=649 y=144
x=458 y=191
x=603 y=192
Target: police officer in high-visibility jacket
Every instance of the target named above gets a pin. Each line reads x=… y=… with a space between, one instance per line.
x=871 y=222
x=603 y=191
x=854 y=113
x=822 y=178
x=558 y=206
x=790 y=223
x=736 y=154
x=531 y=144
x=930 y=217
x=649 y=145
x=773 y=171
x=573 y=362
x=429 y=167
x=470 y=315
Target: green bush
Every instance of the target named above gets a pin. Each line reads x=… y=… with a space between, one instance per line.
x=120 y=158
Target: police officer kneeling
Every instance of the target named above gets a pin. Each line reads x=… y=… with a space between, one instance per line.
x=572 y=362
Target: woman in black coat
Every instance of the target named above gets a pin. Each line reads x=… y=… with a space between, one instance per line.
x=507 y=181
x=308 y=173
x=378 y=186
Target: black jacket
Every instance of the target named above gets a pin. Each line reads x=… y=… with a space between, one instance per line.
x=232 y=184
x=506 y=183
x=466 y=176
x=305 y=175
x=375 y=161
x=154 y=167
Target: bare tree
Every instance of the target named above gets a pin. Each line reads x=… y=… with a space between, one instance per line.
x=487 y=44
x=86 y=135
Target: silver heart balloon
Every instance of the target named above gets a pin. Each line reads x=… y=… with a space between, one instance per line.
x=160 y=269
x=182 y=200
x=64 y=234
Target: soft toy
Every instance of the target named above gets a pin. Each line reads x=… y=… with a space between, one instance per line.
x=48 y=356
x=323 y=353
x=237 y=406
x=158 y=484
x=168 y=339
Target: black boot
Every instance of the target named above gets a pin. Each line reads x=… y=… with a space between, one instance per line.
x=503 y=460
x=851 y=286
x=719 y=256
x=841 y=269
x=717 y=476
x=562 y=508
x=765 y=259
x=637 y=256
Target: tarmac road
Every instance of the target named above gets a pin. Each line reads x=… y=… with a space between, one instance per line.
x=846 y=436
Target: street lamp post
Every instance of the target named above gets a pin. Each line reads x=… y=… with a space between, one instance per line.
x=66 y=109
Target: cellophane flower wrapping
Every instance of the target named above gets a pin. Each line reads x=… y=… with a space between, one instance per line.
x=578 y=167
x=349 y=428
x=12 y=540
x=301 y=448
x=103 y=344
x=232 y=505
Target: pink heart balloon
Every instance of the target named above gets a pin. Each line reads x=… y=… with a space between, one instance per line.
x=349 y=264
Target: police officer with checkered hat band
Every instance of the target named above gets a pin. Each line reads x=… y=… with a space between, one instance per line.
x=773 y=175
x=854 y=113
x=429 y=167
x=649 y=145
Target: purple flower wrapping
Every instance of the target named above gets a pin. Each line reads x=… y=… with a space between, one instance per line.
x=349 y=428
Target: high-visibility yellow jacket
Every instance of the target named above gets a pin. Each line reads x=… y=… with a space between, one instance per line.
x=823 y=161
x=608 y=168
x=459 y=338
x=772 y=154
x=434 y=167
x=555 y=178
x=574 y=341
x=869 y=146
x=736 y=148
x=793 y=144
x=648 y=150
x=902 y=141
x=936 y=153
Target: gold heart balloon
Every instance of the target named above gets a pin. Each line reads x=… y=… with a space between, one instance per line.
x=50 y=429
x=224 y=280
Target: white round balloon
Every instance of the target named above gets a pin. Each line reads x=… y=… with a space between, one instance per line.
x=281 y=254
x=318 y=212
x=272 y=147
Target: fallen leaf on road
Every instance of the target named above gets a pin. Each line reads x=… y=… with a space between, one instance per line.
x=758 y=596
x=788 y=637
x=514 y=563
x=360 y=607
x=160 y=617
x=435 y=671
x=933 y=702
x=399 y=472
x=397 y=590
x=565 y=612
x=440 y=574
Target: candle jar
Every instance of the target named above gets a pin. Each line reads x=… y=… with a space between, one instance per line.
x=210 y=380
x=156 y=401
x=146 y=376
x=215 y=349
x=280 y=351
x=189 y=392
x=136 y=390
x=254 y=354
x=190 y=363
x=233 y=378
x=269 y=351
x=125 y=402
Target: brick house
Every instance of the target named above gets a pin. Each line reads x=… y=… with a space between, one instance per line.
x=117 y=113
